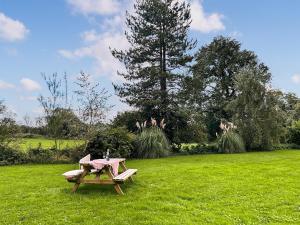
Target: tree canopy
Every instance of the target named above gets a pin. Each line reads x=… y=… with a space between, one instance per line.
x=159 y=51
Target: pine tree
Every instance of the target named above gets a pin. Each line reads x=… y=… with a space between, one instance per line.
x=157 y=57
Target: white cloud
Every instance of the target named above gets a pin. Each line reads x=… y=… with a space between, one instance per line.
x=30 y=85
x=89 y=36
x=97 y=44
x=99 y=49
x=11 y=30
x=5 y=85
x=296 y=78
x=100 y=7
x=203 y=22
x=65 y=53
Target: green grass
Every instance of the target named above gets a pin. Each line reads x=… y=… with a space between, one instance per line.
x=249 y=188
x=27 y=143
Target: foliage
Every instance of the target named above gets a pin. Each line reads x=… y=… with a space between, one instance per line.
x=191 y=149
x=118 y=140
x=285 y=146
x=92 y=101
x=8 y=127
x=10 y=156
x=40 y=155
x=158 y=53
x=231 y=142
x=24 y=144
x=52 y=106
x=52 y=155
x=212 y=86
x=294 y=133
x=66 y=123
x=256 y=111
x=128 y=120
x=290 y=104
x=152 y=143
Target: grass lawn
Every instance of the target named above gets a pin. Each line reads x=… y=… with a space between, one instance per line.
x=250 y=188
x=27 y=143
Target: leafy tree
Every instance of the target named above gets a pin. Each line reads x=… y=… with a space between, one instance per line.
x=128 y=119
x=92 y=103
x=256 y=109
x=8 y=127
x=158 y=53
x=291 y=105
x=118 y=140
x=69 y=126
x=294 y=133
x=212 y=86
x=52 y=106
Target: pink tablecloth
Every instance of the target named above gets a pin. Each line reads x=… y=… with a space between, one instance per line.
x=100 y=163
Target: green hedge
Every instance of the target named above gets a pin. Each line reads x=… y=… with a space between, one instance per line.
x=199 y=149
x=9 y=156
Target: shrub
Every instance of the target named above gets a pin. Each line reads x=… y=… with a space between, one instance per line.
x=152 y=143
x=70 y=155
x=191 y=149
x=294 y=133
x=118 y=140
x=231 y=142
x=40 y=155
x=9 y=156
x=285 y=146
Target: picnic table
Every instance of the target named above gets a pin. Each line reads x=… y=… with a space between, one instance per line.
x=101 y=167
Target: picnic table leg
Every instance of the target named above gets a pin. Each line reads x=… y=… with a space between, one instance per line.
x=78 y=181
x=97 y=176
x=76 y=186
x=124 y=168
x=116 y=186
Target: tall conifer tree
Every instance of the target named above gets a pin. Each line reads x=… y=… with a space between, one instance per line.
x=158 y=54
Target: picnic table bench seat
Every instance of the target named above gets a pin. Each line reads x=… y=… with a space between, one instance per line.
x=125 y=175
x=73 y=174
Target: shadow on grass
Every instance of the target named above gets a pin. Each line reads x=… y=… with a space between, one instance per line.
x=87 y=189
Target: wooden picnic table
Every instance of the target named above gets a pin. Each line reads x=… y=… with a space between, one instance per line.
x=106 y=168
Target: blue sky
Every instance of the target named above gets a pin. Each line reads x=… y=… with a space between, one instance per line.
x=72 y=35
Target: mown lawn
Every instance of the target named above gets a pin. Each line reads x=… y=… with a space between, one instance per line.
x=250 y=188
x=26 y=143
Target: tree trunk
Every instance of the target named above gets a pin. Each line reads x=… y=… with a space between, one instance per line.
x=163 y=73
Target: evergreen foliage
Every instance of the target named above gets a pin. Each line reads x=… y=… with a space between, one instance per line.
x=158 y=53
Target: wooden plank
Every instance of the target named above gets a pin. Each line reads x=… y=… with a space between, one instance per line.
x=124 y=168
x=125 y=175
x=96 y=181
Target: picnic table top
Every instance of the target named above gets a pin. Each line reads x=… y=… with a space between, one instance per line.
x=103 y=161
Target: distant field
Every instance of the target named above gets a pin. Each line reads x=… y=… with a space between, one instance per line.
x=27 y=143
